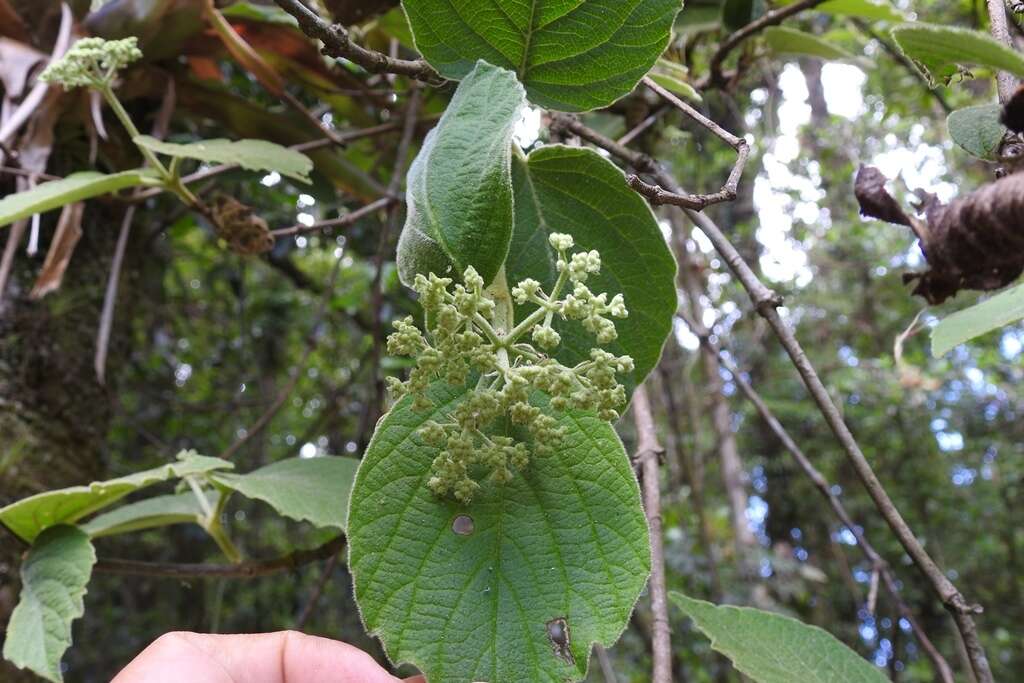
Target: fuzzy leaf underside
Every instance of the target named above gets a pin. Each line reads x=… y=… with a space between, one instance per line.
x=772 y=648
x=577 y=191
x=252 y=155
x=29 y=516
x=977 y=130
x=572 y=55
x=939 y=51
x=565 y=539
x=74 y=188
x=315 y=490
x=54 y=576
x=991 y=314
x=459 y=194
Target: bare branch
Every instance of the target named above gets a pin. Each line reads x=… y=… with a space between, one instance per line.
x=340 y=222
x=648 y=453
x=767 y=302
x=999 y=28
x=776 y=16
x=338 y=44
x=659 y=195
x=241 y=570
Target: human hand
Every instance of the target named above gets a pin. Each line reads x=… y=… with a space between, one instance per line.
x=282 y=657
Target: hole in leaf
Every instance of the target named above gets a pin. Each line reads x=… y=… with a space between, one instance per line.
x=558 y=634
x=463 y=525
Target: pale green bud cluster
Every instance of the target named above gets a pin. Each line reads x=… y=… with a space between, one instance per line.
x=465 y=342
x=92 y=62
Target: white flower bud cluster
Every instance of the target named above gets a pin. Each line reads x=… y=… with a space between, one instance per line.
x=92 y=62
x=463 y=344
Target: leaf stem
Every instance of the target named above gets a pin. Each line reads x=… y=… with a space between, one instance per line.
x=129 y=125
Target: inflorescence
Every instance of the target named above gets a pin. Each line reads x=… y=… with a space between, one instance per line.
x=465 y=340
x=92 y=62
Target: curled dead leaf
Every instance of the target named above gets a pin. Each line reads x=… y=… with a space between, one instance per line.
x=236 y=224
x=974 y=242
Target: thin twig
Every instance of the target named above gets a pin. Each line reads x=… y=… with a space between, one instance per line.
x=766 y=303
x=338 y=44
x=659 y=195
x=241 y=570
x=340 y=222
x=314 y=597
x=715 y=76
x=17 y=171
x=880 y=567
x=648 y=453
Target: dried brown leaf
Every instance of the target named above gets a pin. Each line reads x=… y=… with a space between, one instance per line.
x=69 y=231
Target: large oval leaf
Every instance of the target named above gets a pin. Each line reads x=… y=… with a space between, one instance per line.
x=576 y=190
x=74 y=188
x=939 y=51
x=571 y=56
x=54 y=575
x=459 y=194
x=565 y=540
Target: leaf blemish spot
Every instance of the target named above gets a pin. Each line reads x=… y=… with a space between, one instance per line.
x=463 y=525
x=558 y=634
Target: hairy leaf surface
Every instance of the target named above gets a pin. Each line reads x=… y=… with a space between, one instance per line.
x=772 y=648
x=939 y=51
x=311 y=489
x=459 y=194
x=566 y=539
x=977 y=130
x=252 y=155
x=53 y=580
x=74 y=188
x=571 y=55
x=991 y=314
x=29 y=516
x=577 y=191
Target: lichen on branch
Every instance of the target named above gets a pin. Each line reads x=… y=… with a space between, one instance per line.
x=463 y=344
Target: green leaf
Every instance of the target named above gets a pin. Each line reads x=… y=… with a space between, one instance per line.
x=793 y=42
x=29 y=516
x=771 y=648
x=865 y=9
x=977 y=130
x=991 y=314
x=738 y=13
x=566 y=539
x=253 y=155
x=940 y=51
x=672 y=77
x=311 y=489
x=177 y=508
x=74 y=188
x=577 y=191
x=53 y=580
x=459 y=186
x=267 y=14
x=572 y=56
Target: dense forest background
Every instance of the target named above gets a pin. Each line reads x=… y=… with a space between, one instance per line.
x=263 y=357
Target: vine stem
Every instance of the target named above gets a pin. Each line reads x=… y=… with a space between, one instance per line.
x=767 y=302
x=129 y=125
x=648 y=452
